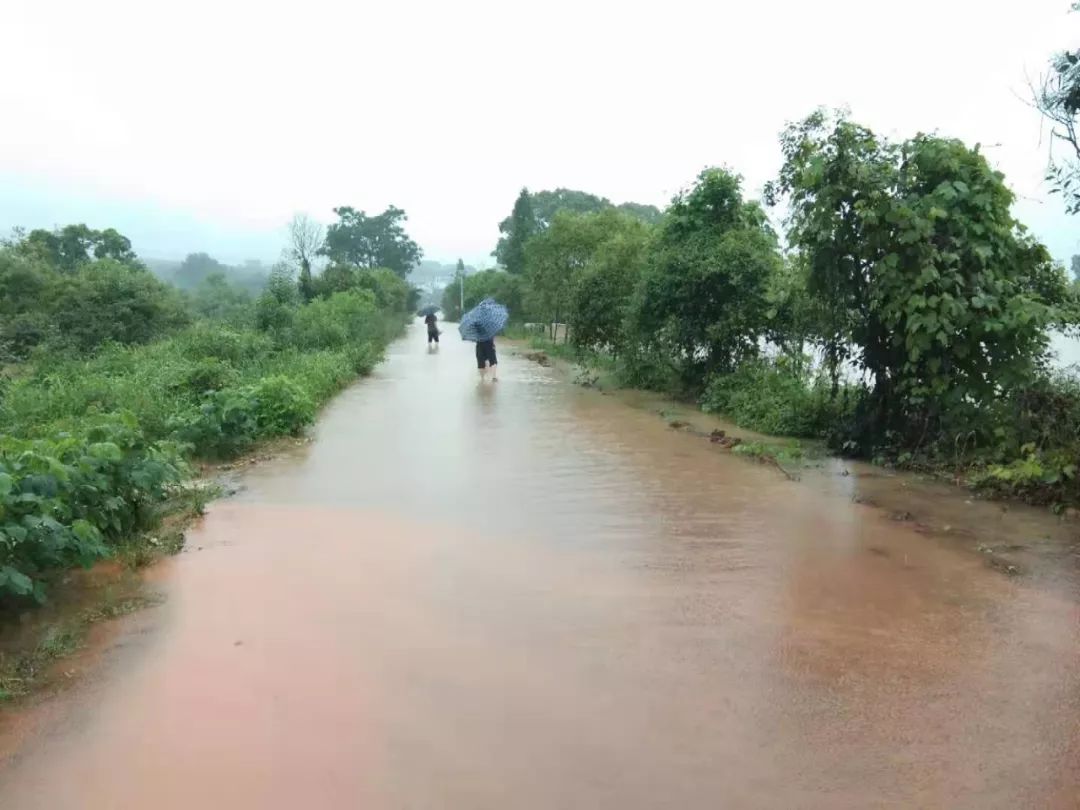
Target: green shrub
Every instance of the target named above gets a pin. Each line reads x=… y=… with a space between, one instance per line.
x=281 y=407
x=391 y=292
x=342 y=319
x=222 y=426
x=236 y=347
x=1037 y=477
x=645 y=367
x=229 y=421
x=203 y=377
x=64 y=500
x=772 y=397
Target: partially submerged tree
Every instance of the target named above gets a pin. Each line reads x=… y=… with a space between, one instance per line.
x=703 y=300
x=928 y=283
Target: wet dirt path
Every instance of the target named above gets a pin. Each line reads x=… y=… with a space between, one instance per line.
x=532 y=596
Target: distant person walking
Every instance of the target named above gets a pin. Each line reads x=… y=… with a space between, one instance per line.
x=432 y=328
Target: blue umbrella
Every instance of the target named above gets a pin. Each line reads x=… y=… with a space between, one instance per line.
x=428 y=310
x=484 y=321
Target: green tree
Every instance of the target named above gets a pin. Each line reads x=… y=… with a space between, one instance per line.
x=649 y=214
x=703 y=300
x=601 y=297
x=366 y=242
x=390 y=290
x=533 y=213
x=73 y=245
x=276 y=307
x=110 y=301
x=516 y=230
x=941 y=295
x=556 y=258
x=546 y=204
x=834 y=170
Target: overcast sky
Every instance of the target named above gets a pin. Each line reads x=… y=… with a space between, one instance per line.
x=205 y=125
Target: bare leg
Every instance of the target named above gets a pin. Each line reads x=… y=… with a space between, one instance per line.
x=483 y=373
x=494 y=371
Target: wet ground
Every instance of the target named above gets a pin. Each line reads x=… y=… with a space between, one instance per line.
x=527 y=595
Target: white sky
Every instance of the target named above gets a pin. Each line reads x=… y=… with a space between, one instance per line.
x=205 y=125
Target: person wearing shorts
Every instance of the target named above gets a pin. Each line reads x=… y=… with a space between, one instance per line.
x=485 y=359
x=432 y=328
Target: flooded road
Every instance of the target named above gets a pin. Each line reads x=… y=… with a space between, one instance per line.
x=527 y=595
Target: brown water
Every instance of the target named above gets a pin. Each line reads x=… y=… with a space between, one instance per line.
x=532 y=596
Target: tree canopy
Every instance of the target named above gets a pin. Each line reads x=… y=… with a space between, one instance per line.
x=367 y=242
x=73 y=245
x=703 y=300
x=534 y=212
x=930 y=284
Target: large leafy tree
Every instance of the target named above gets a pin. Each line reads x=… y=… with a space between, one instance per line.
x=533 y=213
x=937 y=294
x=604 y=288
x=73 y=245
x=703 y=300
x=556 y=258
x=366 y=242
x=516 y=230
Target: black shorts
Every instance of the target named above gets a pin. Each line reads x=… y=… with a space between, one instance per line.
x=485 y=353
x=432 y=335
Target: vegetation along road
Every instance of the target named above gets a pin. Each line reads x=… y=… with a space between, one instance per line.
x=533 y=595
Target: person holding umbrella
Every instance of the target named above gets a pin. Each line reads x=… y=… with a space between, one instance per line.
x=432 y=324
x=481 y=324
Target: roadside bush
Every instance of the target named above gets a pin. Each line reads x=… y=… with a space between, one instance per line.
x=234 y=346
x=647 y=368
x=1040 y=476
x=108 y=301
x=204 y=376
x=775 y=397
x=281 y=406
x=391 y=292
x=1036 y=442
x=344 y=318
x=229 y=421
x=64 y=500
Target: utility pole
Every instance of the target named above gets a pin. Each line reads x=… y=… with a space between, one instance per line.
x=462 y=293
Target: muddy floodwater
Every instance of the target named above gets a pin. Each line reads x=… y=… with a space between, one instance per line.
x=529 y=595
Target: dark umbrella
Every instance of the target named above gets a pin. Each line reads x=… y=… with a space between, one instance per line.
x=431 y=309
x=484 y=321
